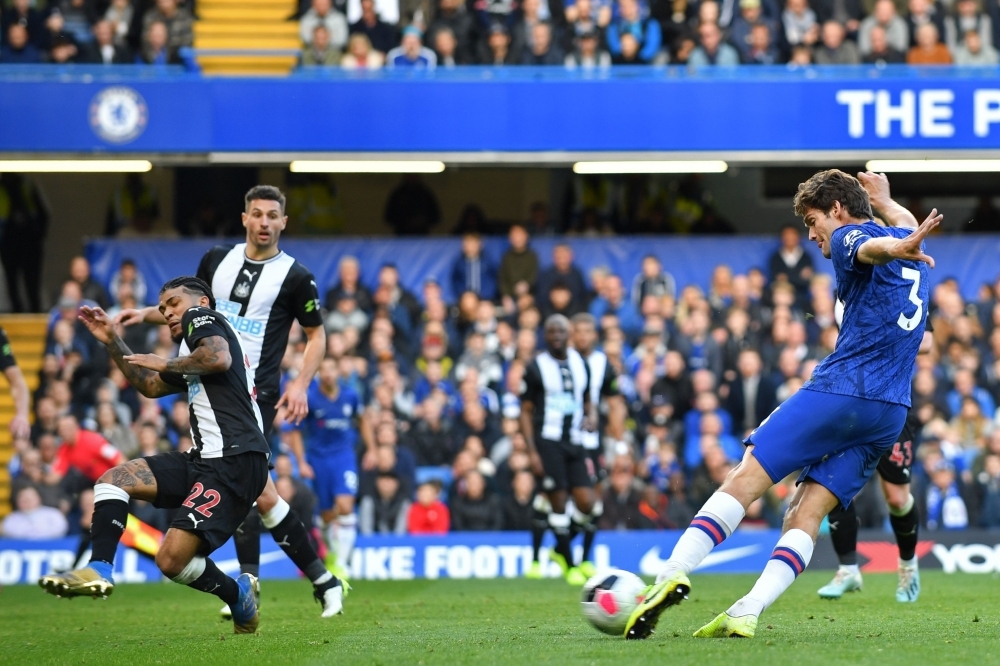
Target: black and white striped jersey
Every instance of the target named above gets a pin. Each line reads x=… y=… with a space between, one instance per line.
x=603 y=384
x=225 y=420
x=260 y=299
x=556 y=389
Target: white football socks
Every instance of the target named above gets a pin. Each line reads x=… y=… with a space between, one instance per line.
x=790 y=557
x=717 y=519
x=346 y=535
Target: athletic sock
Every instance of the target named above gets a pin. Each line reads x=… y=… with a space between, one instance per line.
x=587 y=524
x=107 y=526
x=790 y=557
x=289 y=533
x=844 y=534
x=717 y=519
x=347 y=534
x=560 y=524
x=539 y=523
x=247 y=542
x=202 y=575
x=906 y=524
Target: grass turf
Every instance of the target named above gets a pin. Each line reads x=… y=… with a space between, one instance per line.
x=956 y=620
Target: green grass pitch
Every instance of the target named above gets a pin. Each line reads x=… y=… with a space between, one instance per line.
x=957 y=621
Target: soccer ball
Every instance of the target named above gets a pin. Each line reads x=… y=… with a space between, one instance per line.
x=609 y=599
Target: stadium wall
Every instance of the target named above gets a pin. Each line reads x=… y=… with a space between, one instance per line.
x=507 y=555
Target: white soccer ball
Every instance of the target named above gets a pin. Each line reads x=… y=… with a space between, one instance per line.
x=609 y=599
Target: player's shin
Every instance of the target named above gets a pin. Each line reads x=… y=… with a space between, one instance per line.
x=906 y=523
x=844 y=535
x=587 y=524
x=203 y=575
x=717 y=519
x=539 y=524
x=790 y=557
x=247 y=542
x=347 y=534
x=107 y=526
x=289 y=533
x=560 y=524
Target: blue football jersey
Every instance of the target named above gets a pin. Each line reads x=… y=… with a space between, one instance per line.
x=329 y=428
x=885 y=309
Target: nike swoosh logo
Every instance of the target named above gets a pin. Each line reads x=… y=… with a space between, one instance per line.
x=233 y=566
x=651 y=564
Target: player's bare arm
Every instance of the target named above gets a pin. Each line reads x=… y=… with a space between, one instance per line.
x=149 y=315
x=880 y=251
x=617 y=411
x=528 y=430
x=295 y=398
x=19 y=425
x=147 y=382
x=368 y=437
x=895 y=215
x=298 y=449
x=210 y=356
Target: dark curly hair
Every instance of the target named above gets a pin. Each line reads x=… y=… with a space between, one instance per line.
x=826 y=187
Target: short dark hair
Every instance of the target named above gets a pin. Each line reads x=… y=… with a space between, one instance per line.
x=264 y=193
x=191 y=285
x=826 y=187
x=584 y=318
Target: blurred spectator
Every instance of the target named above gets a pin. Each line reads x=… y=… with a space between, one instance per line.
x=155 y=51
x=477 y=509
x=652 y=280
x=31 y=520
x=749 y=15
x=86 y=452
x=645 y=31
x=33 y=474
x=752 y=395
x=120 y=14
x=587 y=53
x=444 y=48
x=518 y=267
x=76 y=18
x=452 y=15
x=21 y=12
x=323 y=13
x=563 y=271
x=800 y=24
x=410 y=52
x=126 y=276
x=802 y=56
x=542 y=49
x=431 y=438
x=134 y=205
x=319 y=52
x=79 y=272
x=790 y=263
x=834 y=49
x=968 y=17
x=711 y=50
x=517 y=506
x=496 y=50
x=884 y=16
x=386 y=511
x=929 y=49
x=621 y=498
x=178 y=21
x=17 y=50
x=974 y=52
x=61 y=42
x=429 y=515
x=849 y=13
x=349 y=272
x=613 y=301
x=965 y=387
x=381 y=35
x=881 y=53
x=23 y=226
x=762 y=51
x=104 y=50
x=921 y=12
x=946 y=508
x=111 y=429
x=473 y=271
x=360 y=54
x=988 y=491
x=411 y=209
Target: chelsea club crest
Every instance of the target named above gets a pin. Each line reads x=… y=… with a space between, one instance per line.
x=118 y=114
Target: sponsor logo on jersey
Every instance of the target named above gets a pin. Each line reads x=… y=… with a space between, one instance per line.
x=5 y=350
x=312 y=305
x=851 y=239
x=198 y=322
x=243 y=325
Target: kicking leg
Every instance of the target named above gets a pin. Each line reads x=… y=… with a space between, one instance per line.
x=111 y=497
x=559 y=521
x=905 y=521
x=844 y=535
x=342 y=532
x=584 y=520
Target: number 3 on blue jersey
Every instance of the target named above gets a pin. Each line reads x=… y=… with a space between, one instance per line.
x=910 y=323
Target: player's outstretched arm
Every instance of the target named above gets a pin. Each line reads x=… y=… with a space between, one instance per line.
x=877 y=186
x=295 y=399
x=20 y=426
x=879 y=251
x=210 y=356
x=131 y=317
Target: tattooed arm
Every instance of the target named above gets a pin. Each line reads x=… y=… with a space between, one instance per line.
x=210 y=356
x=146 y=381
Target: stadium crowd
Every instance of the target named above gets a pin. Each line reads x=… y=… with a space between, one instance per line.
x=441 y=382
x=370 y=34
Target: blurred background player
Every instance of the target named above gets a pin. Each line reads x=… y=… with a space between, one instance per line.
x=895 y=465
x=261 y=290
x=555 y=410
x=20 y=427
x=336 y=415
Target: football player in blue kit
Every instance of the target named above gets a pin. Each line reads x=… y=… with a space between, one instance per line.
x=329 y=458
x=836 y=428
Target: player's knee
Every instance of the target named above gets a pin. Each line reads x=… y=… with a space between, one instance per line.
x=558 y=502
x=897 y=498
x=170 y=562
x=268 y=499
x=117 y=477
x=344 y=505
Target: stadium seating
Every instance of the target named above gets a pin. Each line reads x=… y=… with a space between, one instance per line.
x=246 y=37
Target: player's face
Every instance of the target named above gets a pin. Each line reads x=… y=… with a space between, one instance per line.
x=556 y=338
x=584 y=337
x=173 y=304
x=328 y=373
x=821 y=227
x=264 y=223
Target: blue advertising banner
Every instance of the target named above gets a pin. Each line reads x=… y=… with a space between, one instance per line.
x=972 y=259
x=474 y=109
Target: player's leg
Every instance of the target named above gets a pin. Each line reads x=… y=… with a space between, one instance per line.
x=905 y=521
x=559 y=523
x=811 y=503
x=541 y=508
x=112 y=493
x=343 y=532
x=288 y=531
x=844 y=535
x=581 y=479
x=589 y=527
x=247 y=537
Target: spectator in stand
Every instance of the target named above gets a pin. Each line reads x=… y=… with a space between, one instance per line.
x=32 y=520
x=564 y=270
x=387 y=510
x=929 y=49
x=968 y=17
x=319 y=52
x=587 y=17
x=750 y=14
x=79 y=272
x=792 y=264
x=17 y=50
x=921 y=12
x=89 y=454
x=118 y=435
x=360 y=54
x=621 y=497
x=712 y=50
x=21 y=12
x=881 y=53
x=33 y=475
x=884 y=16
x=444 y=48
x=652 y=280
x=76 y=17
x=323 y=13
x=412 y=209
x=834 y=49
x=429 y=515
x=349 y=272
x=518 y=511
x=410 y=52
x=587 y=53
x=965 y=387
x=452 y=15
x=518 y=267
x=381 y=36
x=542 y=49
x=646 y=32
x=988 y=492
x=752 y=395
x=496 y=50
x=178 y=21
x=155 y=51
x=614 y=302
x=121 y=14
x=762 y=51
x=473 y=271
x=431 y=438
x=104 y=50
x=974 y=52
x=946 y=508
x=800 y=24
x=849 y=13
x=477 y=509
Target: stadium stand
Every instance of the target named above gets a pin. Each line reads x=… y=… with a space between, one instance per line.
x=246 y=37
